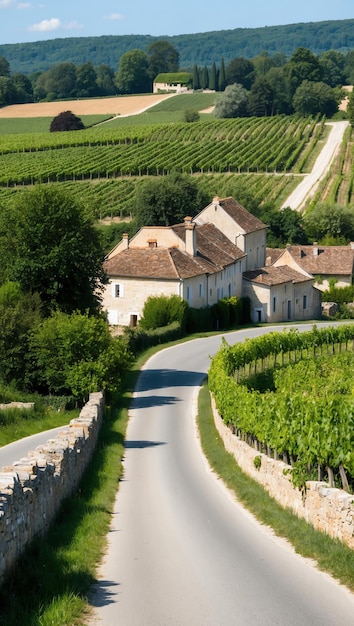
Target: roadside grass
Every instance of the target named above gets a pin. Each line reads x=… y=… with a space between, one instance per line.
x=330 y=555
x=23 y=423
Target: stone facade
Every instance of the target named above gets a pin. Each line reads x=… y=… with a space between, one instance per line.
x=32 y=489
x=329 y=510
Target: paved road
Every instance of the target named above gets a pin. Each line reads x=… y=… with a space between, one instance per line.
x=181 y=551
x=310 y=182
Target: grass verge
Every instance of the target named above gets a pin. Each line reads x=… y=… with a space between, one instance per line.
x=330 y=555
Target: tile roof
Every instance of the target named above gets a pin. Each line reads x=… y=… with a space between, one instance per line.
x=142 y=263
x=336 y=260
x=248 y=222
x=212 y=244
x=157 y=263
x=270 y=276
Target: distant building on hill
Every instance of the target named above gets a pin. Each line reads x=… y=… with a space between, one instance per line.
x=177 y=82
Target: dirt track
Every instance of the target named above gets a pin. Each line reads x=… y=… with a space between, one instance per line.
x=121 y=105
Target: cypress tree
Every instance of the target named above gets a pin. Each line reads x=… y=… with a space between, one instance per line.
x=222 y=76
x=196 y=83
x=205 y=78
x=212 y=77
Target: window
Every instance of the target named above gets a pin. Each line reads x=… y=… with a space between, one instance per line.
x=304 y=302
x=117 y=290
x=189 y=293
x=200 y=290
x=274 y=304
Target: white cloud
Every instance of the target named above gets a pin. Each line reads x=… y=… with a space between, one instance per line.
x=114 y=16
x=46 y=26
x=6 y=3
x=73 y=26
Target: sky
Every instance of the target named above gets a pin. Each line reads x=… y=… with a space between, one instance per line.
x=22 y=20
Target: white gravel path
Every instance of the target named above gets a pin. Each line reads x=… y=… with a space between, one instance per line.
x=310 y=182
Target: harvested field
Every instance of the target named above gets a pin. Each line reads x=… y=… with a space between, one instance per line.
x=120 y=105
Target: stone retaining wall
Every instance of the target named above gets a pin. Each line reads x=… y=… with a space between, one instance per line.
x=33 y=489
x=328 y=509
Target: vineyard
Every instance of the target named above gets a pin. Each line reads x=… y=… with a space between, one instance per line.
x=115 y=197
x=231 y=146
x=338 y=186
x=285 y=394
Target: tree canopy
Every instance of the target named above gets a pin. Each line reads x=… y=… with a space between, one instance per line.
x=233 y=102
x=132 y=75
x=162 y=57
x=166 y=201
x=50 y=246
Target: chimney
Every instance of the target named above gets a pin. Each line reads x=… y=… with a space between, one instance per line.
x=352 y=245
x=315 y=248
x=216 y=201
x=152 y=243
x=125 y=240
x=191 y=245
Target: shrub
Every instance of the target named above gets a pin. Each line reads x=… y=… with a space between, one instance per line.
x=190 y=115
x=162 y=310
x=66 y=121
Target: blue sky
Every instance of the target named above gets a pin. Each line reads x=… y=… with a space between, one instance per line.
x=22 y=20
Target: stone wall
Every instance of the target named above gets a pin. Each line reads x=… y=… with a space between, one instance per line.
x=328 y=509
x=32 y=489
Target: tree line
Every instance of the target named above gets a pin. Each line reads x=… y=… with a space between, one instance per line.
x=197 y=48
x=270 y=80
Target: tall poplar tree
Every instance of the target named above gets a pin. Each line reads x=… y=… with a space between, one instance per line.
x=222 y=76
x=212 y=77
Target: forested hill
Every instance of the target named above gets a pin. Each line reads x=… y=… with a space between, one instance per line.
x=200 y=49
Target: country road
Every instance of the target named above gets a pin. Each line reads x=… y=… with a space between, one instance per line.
x=181 y=550
x=309 y=183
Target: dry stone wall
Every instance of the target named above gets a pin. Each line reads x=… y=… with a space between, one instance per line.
x=32 y=489
x=328 y=509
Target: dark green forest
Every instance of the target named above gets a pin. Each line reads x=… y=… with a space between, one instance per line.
x=200 y=48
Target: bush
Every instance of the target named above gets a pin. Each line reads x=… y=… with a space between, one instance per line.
x=66 y=121
x=139 y=339
x=190 y=115
x=76 y=355
x=162 y=310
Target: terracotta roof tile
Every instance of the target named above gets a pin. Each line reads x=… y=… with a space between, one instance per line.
x=337 y=260
x=270 y=276
x=142 y=263
x=248 y=222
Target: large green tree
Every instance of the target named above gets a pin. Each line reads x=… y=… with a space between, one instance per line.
x=242 y=71
x=168 y=200
x=311 y=98
x=302 y=65
x=50 y=246
x=20 y=314
x=330 y=224
x=132 y=75
x=261 y=98
x=162 y=57
x=86 y=78
x=232 y=103
x=4 y=67
x=332 y=64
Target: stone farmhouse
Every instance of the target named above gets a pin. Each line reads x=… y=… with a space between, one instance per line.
x=219 y=253
x=322 y=262
x=173 y=82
